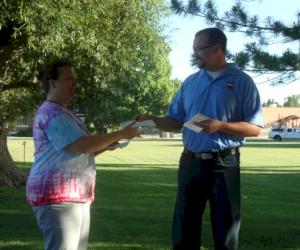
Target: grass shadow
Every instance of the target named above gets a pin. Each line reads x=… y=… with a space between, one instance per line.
x=267 y=143
x=133 y=210
x=272 y=145
x=265 y=200
x=265 y=170
x=129 y=166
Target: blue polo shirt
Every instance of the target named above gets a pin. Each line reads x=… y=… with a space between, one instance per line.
x=230 y=97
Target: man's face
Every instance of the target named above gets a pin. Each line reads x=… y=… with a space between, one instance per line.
x=204 y=52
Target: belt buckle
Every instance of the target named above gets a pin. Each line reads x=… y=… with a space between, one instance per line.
x=204 y=156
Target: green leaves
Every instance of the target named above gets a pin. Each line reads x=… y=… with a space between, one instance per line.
x=116 y=48
x=263 y=33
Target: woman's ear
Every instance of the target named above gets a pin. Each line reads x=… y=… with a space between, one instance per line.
x=218 y=47
x=52 y=84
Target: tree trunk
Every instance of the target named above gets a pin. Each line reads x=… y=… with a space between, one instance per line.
x=9 y=174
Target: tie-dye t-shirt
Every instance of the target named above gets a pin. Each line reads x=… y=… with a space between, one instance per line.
x=58 y=175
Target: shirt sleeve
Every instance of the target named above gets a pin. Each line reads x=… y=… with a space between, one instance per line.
x=176 y=108
x=63 y=130
x=251 y=102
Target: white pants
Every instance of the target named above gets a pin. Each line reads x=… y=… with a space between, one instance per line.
x=65 y=226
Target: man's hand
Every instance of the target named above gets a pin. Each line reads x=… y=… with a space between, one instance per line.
x=210 y=125
x=164 y=123
x=233 y=128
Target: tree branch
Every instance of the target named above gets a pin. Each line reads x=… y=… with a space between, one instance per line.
x=236 y=19
x=11 y=86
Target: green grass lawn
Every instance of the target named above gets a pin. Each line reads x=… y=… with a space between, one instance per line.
x=135 y=195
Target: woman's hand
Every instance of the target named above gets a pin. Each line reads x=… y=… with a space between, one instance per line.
x=130 y=131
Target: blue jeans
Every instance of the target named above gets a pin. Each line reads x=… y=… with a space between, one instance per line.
x=217 y=181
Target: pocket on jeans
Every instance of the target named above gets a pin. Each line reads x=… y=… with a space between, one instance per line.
x=185 y=160
x=229 y=161
x=185 y=165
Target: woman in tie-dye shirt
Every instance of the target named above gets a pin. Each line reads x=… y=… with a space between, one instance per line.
x=61 y=183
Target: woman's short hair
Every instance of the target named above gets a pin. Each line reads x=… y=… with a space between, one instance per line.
x=51 y=71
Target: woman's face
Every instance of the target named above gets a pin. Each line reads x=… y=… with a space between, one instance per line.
x=64 y=87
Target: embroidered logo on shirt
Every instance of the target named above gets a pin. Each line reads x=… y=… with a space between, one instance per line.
x=229 y=85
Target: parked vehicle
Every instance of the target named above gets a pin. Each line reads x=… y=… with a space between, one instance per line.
x=12 y=133
x=280 y=134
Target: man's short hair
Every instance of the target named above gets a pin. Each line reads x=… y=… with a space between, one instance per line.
x=215 y=36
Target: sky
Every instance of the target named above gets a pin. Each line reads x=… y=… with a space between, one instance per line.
x=181 y=30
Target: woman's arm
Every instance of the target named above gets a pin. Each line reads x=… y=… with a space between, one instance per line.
x=98 y=143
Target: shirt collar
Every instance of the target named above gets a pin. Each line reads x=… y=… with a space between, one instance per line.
x=231 y=69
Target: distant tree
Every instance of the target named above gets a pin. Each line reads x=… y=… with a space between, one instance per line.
x=176 y=83
x=116 y=47
x=254 y=57
x=270 y=102
x=292 y=101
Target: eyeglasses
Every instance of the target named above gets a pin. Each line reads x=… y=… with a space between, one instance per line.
x=199 y=49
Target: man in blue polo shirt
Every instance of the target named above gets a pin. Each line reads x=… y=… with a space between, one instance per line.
x=209 y=167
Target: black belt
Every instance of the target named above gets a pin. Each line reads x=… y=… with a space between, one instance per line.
x=212 y=155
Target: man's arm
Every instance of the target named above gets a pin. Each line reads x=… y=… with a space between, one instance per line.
x=243 y=129
x=165 y=123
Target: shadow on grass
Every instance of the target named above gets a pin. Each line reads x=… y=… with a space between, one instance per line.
x=271 y=144
x=146 y=209
x=133 y=210
x=279 y=170
x=26 y=166
x=18 y=229
x=178 y=145
x=259 y=143
x=134 y=166
x=21 y=246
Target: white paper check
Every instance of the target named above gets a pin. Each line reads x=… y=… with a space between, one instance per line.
x=118 y=145
x=191 y=123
